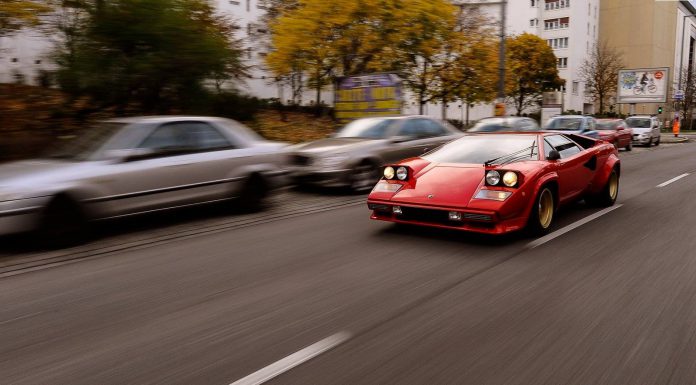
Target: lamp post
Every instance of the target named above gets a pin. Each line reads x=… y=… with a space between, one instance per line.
x=681 y=62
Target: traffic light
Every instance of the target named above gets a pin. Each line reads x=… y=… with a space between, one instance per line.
x=659 y=109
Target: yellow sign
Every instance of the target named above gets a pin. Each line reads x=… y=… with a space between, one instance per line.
x=499 y=109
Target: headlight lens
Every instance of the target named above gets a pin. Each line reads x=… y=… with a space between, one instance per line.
x=332 y=160
x=510 y=179
x=493 y=177
x=389 y=172
x=387 y=187
x=493 y=195
x=402 y=173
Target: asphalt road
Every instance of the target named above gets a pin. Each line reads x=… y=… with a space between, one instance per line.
x=610 y=302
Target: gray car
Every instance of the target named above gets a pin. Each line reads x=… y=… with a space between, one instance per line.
x=646 y=129
x=505 y=124
x=352 y=156
x=573 y=124
x=137 y=165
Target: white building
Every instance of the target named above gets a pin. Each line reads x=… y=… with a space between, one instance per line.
x=570 y=27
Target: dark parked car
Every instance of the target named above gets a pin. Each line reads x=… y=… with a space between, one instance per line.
x=352 y=156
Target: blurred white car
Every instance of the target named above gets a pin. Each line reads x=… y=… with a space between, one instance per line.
x=130 y=166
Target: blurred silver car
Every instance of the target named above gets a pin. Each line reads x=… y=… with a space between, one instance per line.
x=505 y=124
x=352 y=157
x=137 y=165
x=573 y=124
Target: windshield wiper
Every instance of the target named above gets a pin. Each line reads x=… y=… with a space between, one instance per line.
x=506 y=158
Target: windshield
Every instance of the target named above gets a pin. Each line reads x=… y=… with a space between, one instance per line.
x=638 y=123
x=491 y=125
x=372 y=128
x=86 y=142
x=479 y=149
x=565 y=124
x=607 y=125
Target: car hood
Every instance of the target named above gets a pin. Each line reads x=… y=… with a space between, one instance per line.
x=444 y=185
x=334 y=145
x=32 y=173
x=641 y=130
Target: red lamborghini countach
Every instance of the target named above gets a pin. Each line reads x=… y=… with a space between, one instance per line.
x=498 y=183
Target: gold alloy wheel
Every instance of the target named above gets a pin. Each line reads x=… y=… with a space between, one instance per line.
x=545 y=208
x=613 y=185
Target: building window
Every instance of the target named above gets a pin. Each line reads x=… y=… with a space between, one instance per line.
x=557 y=23
x=233 y=2
x=14 y=60
x=562 y=62
x=556 y=4
x=248 y=5
x=561 y=42
x=534 y=4
x=37 y=61
x=576 y=85
x=249 y=52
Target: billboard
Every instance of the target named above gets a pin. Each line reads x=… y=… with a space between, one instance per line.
x=368 y=95
x=643 y=85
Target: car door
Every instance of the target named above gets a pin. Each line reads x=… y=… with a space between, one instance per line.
x=173 y=170
x=575 y=168
x=655 y=128
x=407 y=141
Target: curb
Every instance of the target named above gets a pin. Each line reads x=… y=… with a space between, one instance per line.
x=672 y=139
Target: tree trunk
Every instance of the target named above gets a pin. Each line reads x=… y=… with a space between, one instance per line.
x=467 y=114
x=318 y=112
x=601 y=104
x=444 y=109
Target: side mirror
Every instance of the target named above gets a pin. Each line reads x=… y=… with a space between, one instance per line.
x=553 y=155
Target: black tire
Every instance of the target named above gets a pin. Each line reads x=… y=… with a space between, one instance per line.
x=539 y=224
x=657 y=143
x=649 y=144
x=363 y=177
x=63 y=224
x=610 y=191
x=629 y=147
x=253 y=194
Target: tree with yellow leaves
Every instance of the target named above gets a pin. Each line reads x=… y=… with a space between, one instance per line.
x=327 y=40
x=17 y=14
x=531 y=70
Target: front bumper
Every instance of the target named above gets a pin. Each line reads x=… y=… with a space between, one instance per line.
x=20 y=216
x=478 y=221
x=638 y=140
x=318 y=177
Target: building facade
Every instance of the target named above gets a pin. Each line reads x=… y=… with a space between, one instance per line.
x=651 y=34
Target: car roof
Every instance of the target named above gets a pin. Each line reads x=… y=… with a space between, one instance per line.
x=609 y=119
x=162 y=119
x=642 y=116
x=570 y=116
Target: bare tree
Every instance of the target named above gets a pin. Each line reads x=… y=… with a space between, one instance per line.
x=600 y=72
x=685 y=106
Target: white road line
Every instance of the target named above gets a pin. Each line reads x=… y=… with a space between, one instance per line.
x=570 y=227
x=673 y=180
x=279 y=367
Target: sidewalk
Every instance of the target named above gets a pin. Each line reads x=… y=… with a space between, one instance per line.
x=682 y=138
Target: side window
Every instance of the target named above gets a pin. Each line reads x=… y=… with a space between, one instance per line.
x=591 y=124
x=565 y=147
x=205 y=137
x=433 y=128
x=186 y=136
x=166 y=137
x=412 y=128
x=547 y=149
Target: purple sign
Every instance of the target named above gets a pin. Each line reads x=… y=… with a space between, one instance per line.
x=368 y=95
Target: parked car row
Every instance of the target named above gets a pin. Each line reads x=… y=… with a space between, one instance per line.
x=636 y=130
